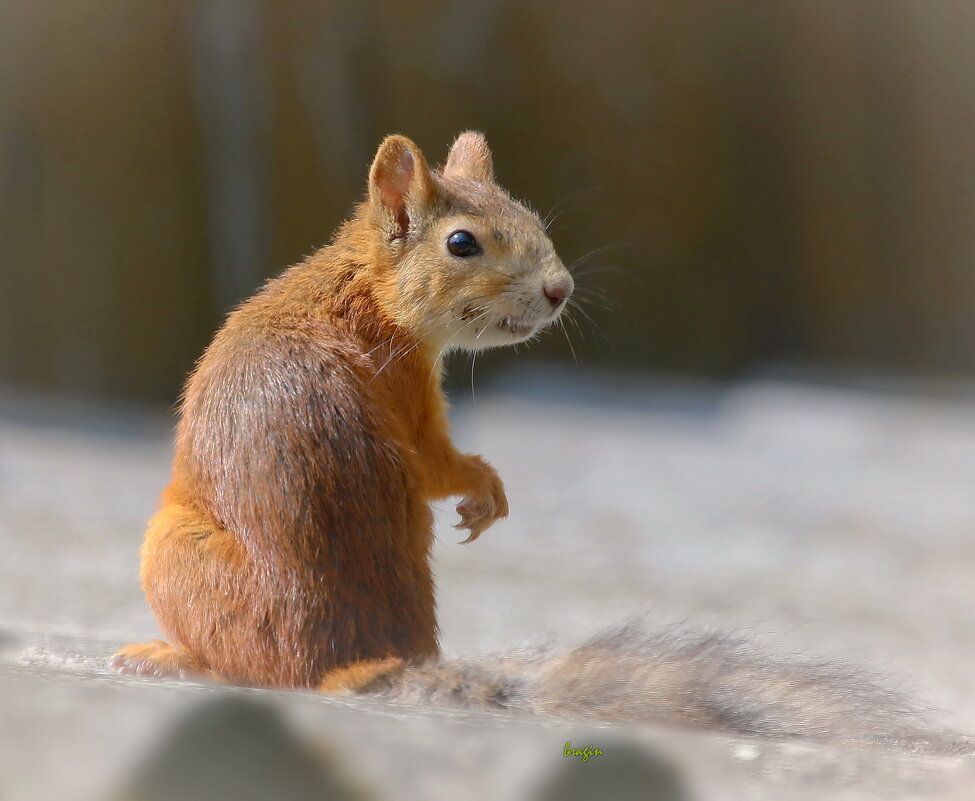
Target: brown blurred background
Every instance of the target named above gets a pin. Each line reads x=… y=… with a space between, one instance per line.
x=780 y=181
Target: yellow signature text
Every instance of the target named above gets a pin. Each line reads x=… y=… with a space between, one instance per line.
x=583 y=753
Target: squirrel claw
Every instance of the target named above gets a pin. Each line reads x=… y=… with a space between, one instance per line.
x=485 y=504
x=475 y=517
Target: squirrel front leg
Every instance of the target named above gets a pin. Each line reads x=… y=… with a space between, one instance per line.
x=447 y=471
x=486 y=503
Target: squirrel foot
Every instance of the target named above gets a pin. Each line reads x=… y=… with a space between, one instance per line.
x=361 y=677
x=481 y=509
x=159 y=659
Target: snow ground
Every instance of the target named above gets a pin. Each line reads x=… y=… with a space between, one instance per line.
x=833 y=519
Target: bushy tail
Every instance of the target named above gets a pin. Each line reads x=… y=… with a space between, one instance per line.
x=699 y=678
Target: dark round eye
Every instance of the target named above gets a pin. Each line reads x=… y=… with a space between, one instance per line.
x=462 y=243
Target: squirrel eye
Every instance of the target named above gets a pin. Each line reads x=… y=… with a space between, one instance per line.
x=462 y=243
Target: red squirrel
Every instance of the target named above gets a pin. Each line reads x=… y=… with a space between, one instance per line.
x=293 y=544
x=292 y=547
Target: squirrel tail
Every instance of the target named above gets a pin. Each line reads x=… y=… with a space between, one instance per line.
x=673 y=675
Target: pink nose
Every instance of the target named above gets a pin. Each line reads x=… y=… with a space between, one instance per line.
x=557 y=291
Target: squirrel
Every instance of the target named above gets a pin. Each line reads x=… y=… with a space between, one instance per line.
x=292 y=547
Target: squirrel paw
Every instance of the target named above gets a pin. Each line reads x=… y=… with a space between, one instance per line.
x=478 y=512
x=361 y=677
x=158 y=659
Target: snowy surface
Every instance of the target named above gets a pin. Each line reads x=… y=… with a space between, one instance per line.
x=835 y=521
x=823 y=518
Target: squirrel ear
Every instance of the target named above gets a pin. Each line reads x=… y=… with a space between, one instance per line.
x=470 y=157
x=400 y=184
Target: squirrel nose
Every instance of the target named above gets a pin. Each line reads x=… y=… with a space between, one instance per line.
x=557 y=290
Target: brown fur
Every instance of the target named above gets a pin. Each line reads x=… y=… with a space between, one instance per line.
x=292 y=546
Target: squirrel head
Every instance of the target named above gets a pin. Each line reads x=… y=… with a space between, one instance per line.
x=465 y=265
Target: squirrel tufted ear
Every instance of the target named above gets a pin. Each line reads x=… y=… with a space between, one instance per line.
x=470 y=157
x=400 y=184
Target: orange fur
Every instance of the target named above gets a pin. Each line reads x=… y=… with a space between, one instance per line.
x=292 y=546
x=362 y=676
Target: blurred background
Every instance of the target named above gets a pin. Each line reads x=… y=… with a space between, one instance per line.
x=773 y=181
x=771 y=429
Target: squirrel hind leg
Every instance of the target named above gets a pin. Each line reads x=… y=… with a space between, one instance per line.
x=158 y=659
x=368 y=675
